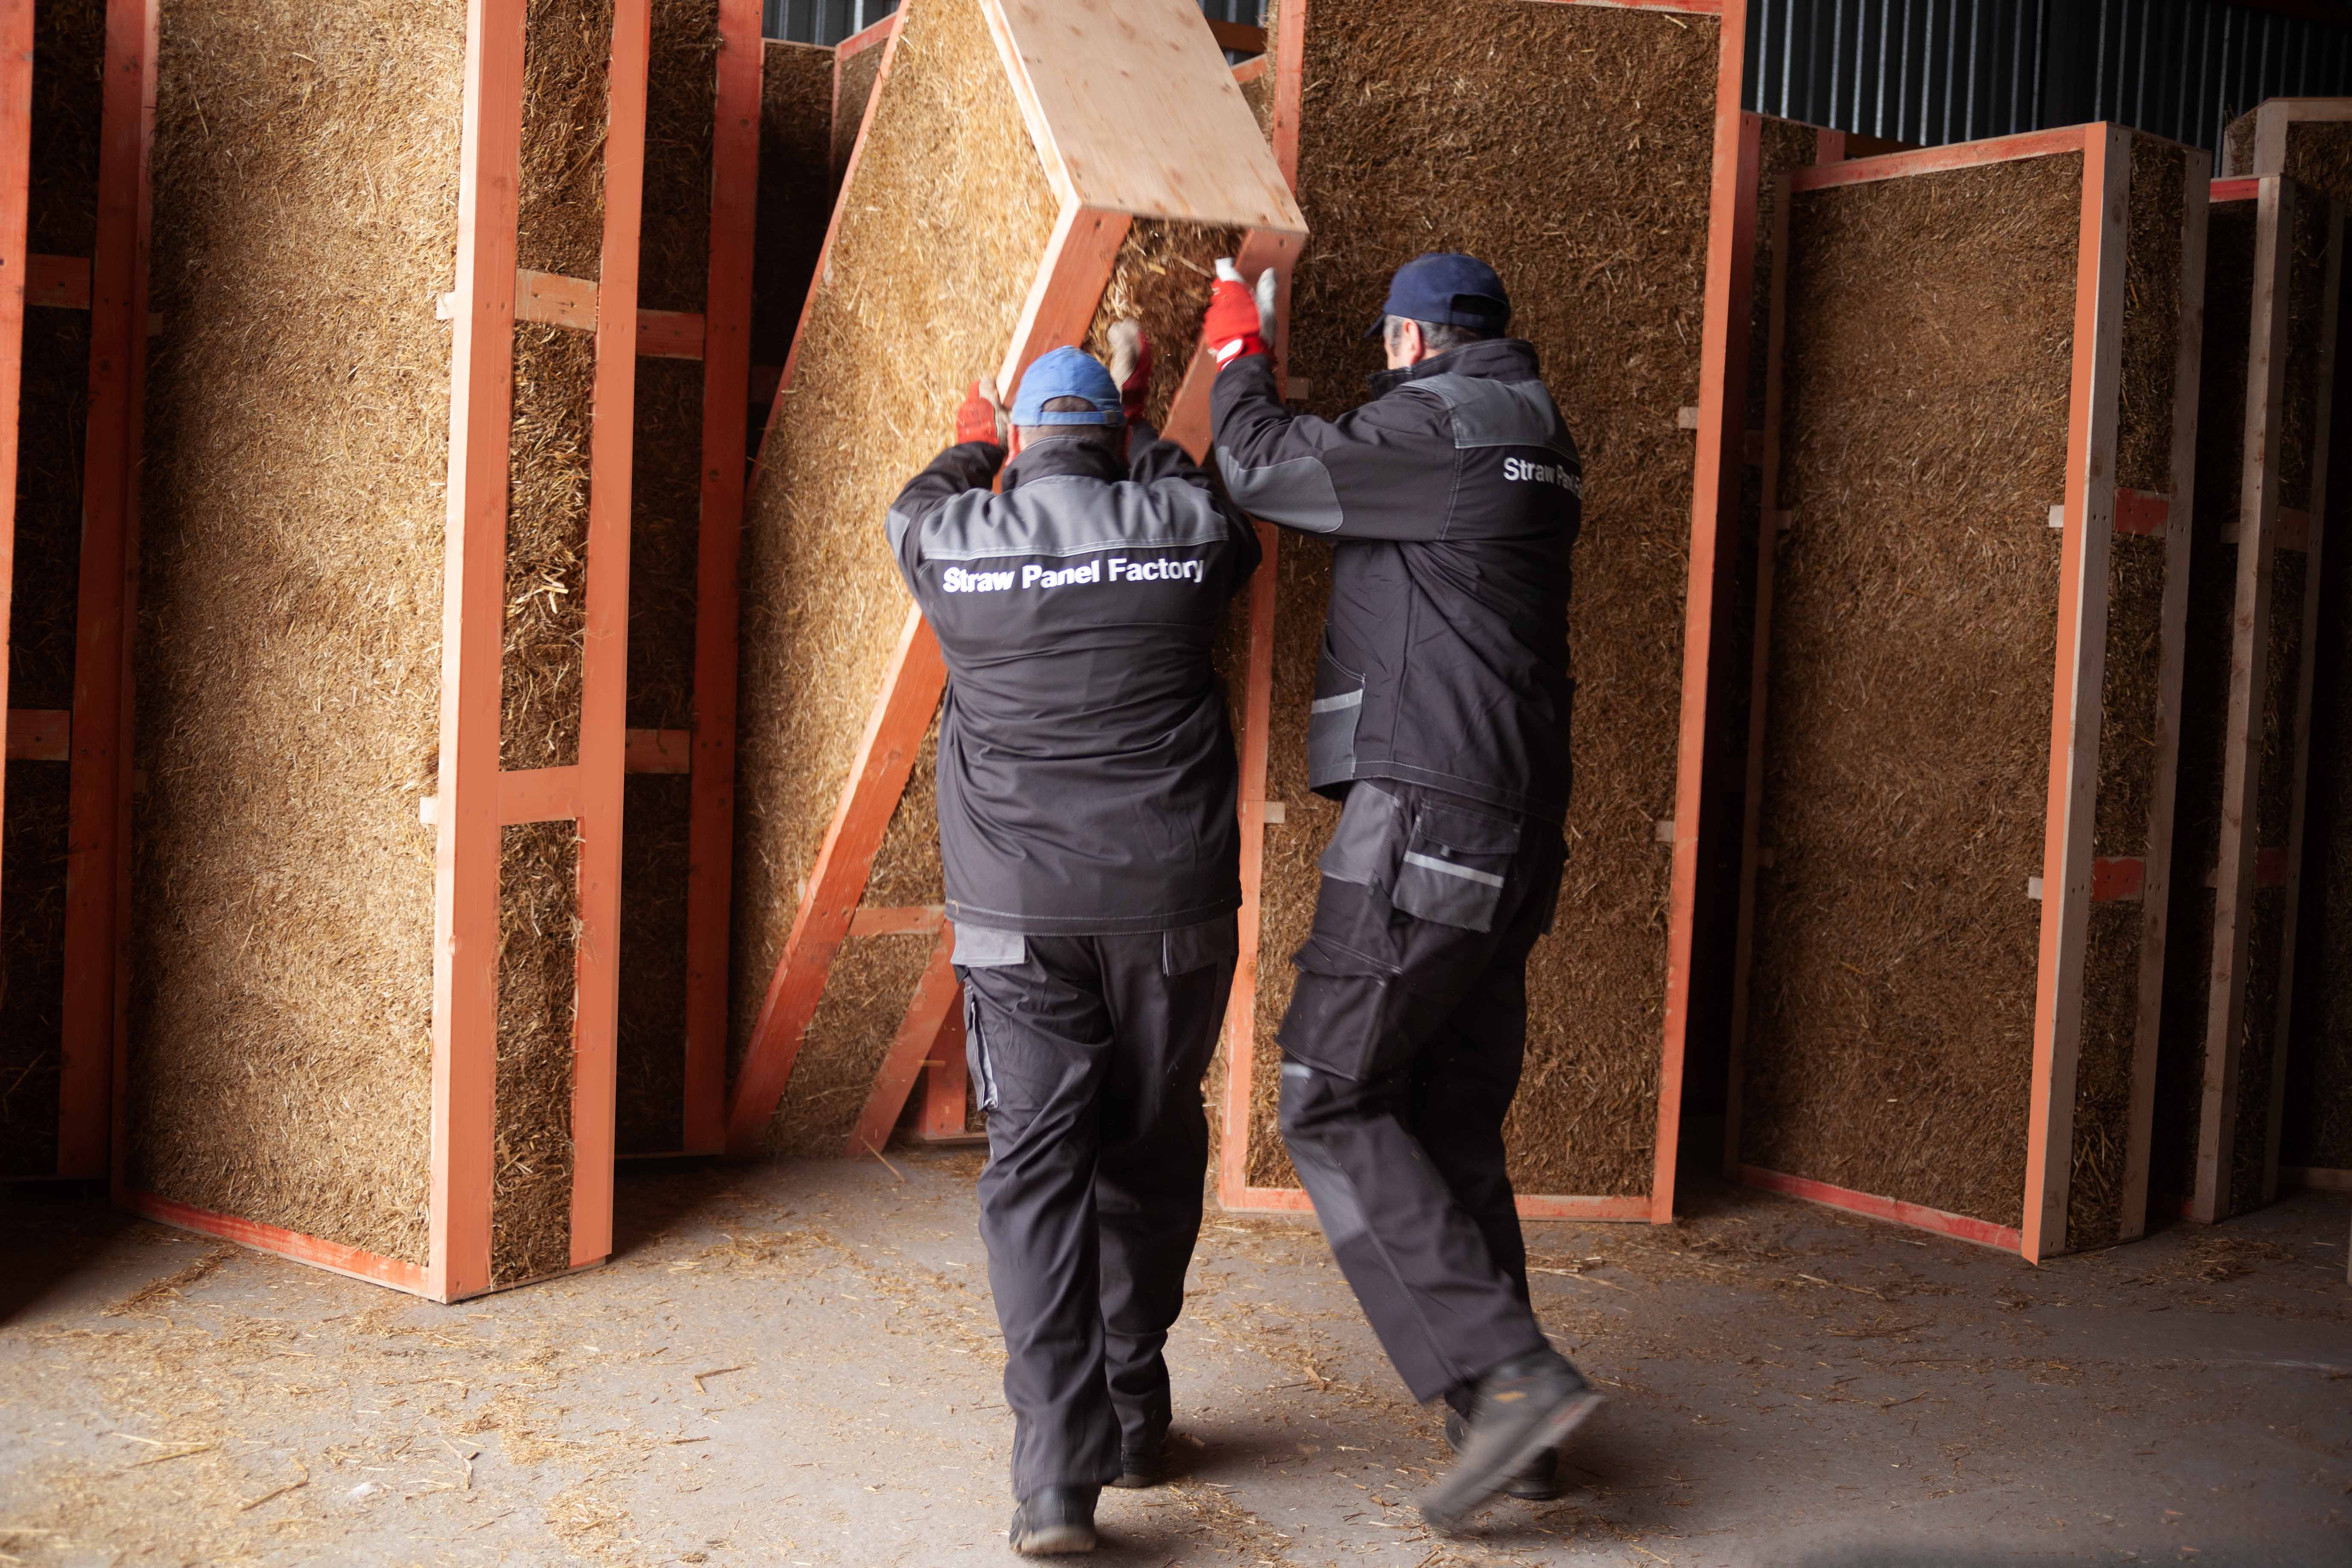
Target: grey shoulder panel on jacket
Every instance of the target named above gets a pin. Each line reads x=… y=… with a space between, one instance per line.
x=1490 y=413
x=1061 y=516
x=1296 y=492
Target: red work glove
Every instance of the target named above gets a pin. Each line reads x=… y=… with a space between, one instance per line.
x=1130 y=367
x=1232 y=329
x=981 y=416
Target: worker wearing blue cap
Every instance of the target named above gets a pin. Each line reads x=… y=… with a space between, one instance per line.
x=1091 y=851
x=1440 y=717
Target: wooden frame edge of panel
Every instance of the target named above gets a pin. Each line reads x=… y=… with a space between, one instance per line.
x=2093 y=410
x=605 y=650
x=1633 y=1210
x=1071 y=275
x=1718 y=476
x=859 y=42
x=2179 y=528
x=2332 y=213
x=1769 y=529
x=16 y=192
x=118 y=1114
x=118 y=347
x=1675 y=7
x=1235 y=1192
x=1954 y=155
x=352 y=1262
x=726 y=388
x=1917 y=1217
x=467 y=841
x=2263 y=416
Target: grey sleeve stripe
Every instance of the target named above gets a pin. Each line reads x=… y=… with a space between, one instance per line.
x=1296 y=493
x=895 y=524
x=1431 y=863
x=1333 y=704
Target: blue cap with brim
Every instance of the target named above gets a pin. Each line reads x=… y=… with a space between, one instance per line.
x=1066 y=372
x=1448 y=288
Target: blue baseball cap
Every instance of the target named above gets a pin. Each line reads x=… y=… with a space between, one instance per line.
x=1066 y=372
x=1446 y=287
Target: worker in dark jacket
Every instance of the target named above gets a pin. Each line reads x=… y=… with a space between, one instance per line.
x=1441 y=717
x=1087 y=827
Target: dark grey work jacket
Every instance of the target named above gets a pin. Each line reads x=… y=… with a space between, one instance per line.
x=1086 y=782
x=1453 y=498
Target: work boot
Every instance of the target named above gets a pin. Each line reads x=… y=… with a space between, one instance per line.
x=1522 y=1409
x=1144 y=1465
x=1055 y=1521
x=1537 y=1481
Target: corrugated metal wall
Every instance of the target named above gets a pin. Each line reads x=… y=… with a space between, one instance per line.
x=1930 y=71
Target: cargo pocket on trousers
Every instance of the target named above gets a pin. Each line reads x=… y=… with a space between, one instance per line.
x=1454 y=867
x=975 y=1056
x=1346 y=1025
x=1331 y=722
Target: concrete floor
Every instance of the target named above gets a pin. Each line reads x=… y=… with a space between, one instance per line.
x=796 y=1364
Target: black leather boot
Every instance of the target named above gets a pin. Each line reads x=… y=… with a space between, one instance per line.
x=1537 y=1481
x=1054 y=1522
x=1522 y=1409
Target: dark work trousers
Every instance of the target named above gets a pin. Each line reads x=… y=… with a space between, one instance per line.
x=1401 y=1055
x=1087 y=1057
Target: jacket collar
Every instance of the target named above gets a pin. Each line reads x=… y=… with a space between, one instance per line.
x=1065 y=457
x=1498 y=359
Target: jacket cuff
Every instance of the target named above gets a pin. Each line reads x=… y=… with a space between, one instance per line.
x=1238 y=348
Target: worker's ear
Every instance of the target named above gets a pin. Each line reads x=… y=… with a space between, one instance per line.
x=1402 y=341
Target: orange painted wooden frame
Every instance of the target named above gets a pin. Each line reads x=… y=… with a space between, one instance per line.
x=476 y=797
x=2262 y=532
x=95 y=824
x=334 y=1257
x=726 y=383
x=2073 y=878
x=1715 y=523
x=16 y=183
x=1759 y=685
x=1918 y=1216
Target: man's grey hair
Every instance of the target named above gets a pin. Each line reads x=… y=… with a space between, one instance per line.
x=1441 y=337
x=1101 y=435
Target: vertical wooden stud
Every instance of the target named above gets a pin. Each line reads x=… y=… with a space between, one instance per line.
x=466 y=852
x=2075 y=706
x=2315 y=541
x=726 y=388
x=605 y=654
